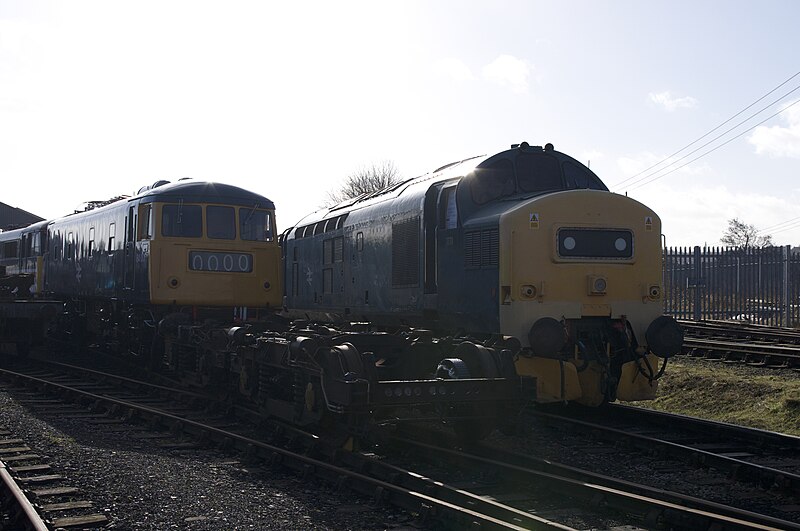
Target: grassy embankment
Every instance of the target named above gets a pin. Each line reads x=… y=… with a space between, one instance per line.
x=762 y=398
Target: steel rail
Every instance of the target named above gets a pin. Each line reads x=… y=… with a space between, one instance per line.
x=757 y=436
x=789 y=354
x=790 y=351
x=743 y=330
x=744 y=470
x=33 y=521
x=678 y=510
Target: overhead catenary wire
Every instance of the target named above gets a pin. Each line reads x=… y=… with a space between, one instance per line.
x=782 y=229
x=617 y=185
x=793 y=221
x=643 y=181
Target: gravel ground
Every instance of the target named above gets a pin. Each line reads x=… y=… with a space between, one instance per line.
x=141 y=486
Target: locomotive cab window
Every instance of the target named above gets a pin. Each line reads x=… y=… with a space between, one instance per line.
x=255 y=225
x=220 y=223
x=184 y=221
x=146 y=222
x=578 y=177
x=538 y=172
x=492 y=181
x=36 y=244
x=449 y=209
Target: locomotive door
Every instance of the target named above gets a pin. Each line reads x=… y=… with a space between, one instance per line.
x=430 y=228
x=441 y=219
x=129 y=271
x=449 y=253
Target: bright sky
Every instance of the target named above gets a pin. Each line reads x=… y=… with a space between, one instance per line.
x=285 y=99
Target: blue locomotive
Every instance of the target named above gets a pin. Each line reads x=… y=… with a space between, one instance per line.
x=525 y=250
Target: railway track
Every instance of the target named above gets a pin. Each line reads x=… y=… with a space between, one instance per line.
x=292 y=449
x=455 y=489
x=519 y=478
x=33 y=497
x=17 y=509
x=755 y=345
x=754 y=468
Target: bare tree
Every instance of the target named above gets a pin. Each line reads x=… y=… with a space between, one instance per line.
x=367 y=179
x=740 y=234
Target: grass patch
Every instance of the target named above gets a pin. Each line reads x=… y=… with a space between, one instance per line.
x=61 y=440
x=762 y=398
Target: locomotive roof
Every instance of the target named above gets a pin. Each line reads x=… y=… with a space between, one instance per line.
x=185 y=190
x=205 y=192
x=454 y=170
x=449 y=171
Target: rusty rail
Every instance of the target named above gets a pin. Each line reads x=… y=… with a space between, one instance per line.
x=32 y=520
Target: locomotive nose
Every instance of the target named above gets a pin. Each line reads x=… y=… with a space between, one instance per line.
x=664 y=337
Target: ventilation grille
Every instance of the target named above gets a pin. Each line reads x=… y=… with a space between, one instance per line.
x=481 y=248
x=405 y=253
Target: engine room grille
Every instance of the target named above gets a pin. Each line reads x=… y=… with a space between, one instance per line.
x=482 y=248
x=405 y=253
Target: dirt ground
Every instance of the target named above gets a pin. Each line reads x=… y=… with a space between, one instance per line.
x=739 y=394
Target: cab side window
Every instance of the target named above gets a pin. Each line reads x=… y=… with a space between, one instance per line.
x=449 y=209
x=146 y=222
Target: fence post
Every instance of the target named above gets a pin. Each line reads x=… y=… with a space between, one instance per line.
x=698 y=271
x=787 y=307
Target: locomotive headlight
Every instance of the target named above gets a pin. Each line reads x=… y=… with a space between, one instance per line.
x=173 y=282
x=597 y=285
x=267 y=285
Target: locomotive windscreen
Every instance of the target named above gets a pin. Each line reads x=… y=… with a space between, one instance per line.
x=538 y=172
x=529 y=172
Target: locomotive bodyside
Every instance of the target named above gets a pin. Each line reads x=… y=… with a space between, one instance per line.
x=366 y=260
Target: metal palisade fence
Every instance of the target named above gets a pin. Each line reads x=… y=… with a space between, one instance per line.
x=756 y=285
